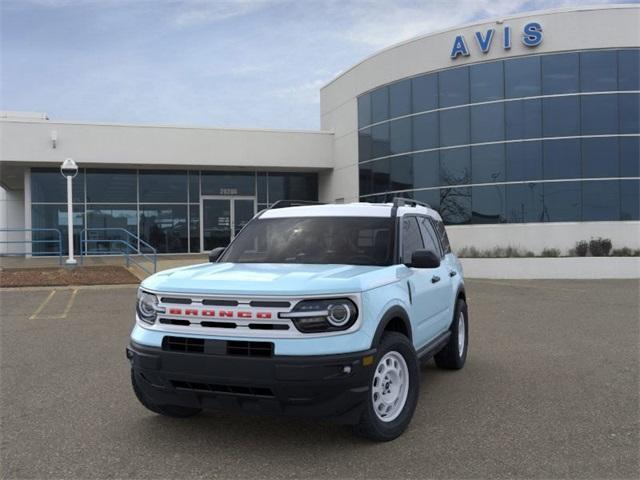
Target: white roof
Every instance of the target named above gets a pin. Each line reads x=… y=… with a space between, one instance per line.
x=347 y=210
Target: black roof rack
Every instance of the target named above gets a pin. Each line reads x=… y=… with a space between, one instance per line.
x=406 y=202
x=293 y=203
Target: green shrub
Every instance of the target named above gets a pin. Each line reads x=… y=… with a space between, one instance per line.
x=625 y=252
x=581 y=248
x=600 y=247
x=550 y=252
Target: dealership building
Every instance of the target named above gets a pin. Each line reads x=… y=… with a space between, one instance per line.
x=521 y=131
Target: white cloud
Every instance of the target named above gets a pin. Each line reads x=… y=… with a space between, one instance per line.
x=192 y=12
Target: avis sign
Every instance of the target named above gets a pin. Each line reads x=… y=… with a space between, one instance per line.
x=531 y=37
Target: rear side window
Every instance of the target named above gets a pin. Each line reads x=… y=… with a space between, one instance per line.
x=430 y=237
x=442 y=233
x=411 y=238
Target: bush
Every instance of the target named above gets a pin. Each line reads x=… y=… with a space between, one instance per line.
x=581 y=248
x=550 y=252
x=625 y=252
x=600 y=247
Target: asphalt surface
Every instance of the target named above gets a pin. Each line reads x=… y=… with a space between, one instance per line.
x=550 y=390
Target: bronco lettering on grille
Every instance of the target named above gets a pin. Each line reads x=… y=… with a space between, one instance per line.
x=208 y=312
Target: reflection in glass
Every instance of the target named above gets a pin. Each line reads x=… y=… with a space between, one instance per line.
x=366 y=176
x=53 y=216
x=487 y=164
x=455 y=205
x=364 y=110
x=488 y=204
x=601 y=200
x=454 y=127
x=524 y=203
x=425 y=131
x=227 y=183
x=487 y=81
x=426 y=169
x=629 y=69
x=600 y=157
x=381 y=176
x=48 y=185
x=522 y=77
x=524 y=161
x=629 y=113
x=400 y=135
x=424 y=93
x=562 y=201
x=630 y=200
x=108 y=222
x=630 y=157
x=165 y=227
x=400 y=98
x=562 y=159
x=455 y=166
x=599 y=71
x=402 y=172
x=487 y=123
x=561 y=116
x=430 y=197
x=194 y=186
x=112 y=186
x=163 y=186
x=599 y=114
x=454 y=87
x=560 y=73
x=194 y=227
x=380 y=105
x=293 y=186
x=523 y=119
x=364 y=145
x=380 y=140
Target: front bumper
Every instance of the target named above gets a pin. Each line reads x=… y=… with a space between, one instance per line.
x=330 y=386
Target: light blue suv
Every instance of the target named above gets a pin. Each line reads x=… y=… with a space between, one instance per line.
x=322 y=310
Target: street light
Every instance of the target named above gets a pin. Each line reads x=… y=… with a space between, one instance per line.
x=69 y=170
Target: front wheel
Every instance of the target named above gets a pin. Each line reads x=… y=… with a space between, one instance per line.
x=454 y=353
x=394 y=390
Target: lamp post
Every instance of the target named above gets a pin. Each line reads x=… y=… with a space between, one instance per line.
x=69 y=170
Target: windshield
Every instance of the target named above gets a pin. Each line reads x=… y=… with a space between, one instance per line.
x=343 y=240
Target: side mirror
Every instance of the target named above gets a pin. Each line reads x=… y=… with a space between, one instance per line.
x=424 y=259
x=214 y=254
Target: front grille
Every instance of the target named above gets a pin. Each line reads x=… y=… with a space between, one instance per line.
x=180 y=344
x=230 y=389
x=250 y=349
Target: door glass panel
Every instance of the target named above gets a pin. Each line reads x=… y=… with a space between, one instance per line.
x=243 y=212
x=216 y=223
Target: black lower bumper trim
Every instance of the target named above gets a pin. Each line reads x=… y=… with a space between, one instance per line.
x=332 y=386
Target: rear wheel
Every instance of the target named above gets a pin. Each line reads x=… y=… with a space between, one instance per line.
x=167 y=410
x=394 y=390
x=454 y=354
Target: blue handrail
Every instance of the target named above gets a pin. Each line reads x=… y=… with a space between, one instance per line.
x=128 y=250
x=31 y=241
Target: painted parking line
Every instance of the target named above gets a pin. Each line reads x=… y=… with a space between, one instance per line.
x=36 y=315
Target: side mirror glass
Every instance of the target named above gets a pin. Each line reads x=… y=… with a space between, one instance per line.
x=424 y=259
x=215 y=254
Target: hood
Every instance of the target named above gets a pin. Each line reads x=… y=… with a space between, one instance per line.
x=270 y=279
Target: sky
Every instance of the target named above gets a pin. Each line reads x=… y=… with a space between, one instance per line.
x=226 y=63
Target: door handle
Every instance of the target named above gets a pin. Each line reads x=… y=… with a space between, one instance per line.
x=453 y=273
x=435 y=279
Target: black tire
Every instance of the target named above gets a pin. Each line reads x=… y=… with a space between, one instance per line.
x=176 y=411
x=450 y=357
x=371 y=426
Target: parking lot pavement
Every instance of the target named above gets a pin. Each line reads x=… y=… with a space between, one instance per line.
x=550 y=390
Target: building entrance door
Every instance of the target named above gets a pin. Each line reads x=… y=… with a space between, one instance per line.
x=221 y=218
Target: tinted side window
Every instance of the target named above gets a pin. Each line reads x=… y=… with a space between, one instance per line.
x=442 y=233
x=429 y=236
x=411 y=238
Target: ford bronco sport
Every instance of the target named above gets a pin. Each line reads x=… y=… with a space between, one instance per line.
x=322 y=310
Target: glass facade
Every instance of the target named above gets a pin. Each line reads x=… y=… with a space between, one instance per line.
x=162 y=207
x=544 y=138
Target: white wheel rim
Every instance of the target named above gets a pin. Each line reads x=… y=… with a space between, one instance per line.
x=390 y=386
x=461 y=334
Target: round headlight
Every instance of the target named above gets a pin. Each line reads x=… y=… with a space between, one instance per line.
x=339 y=314
x=147 y=306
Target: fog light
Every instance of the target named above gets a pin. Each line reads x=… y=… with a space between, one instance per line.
x=368 y=360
